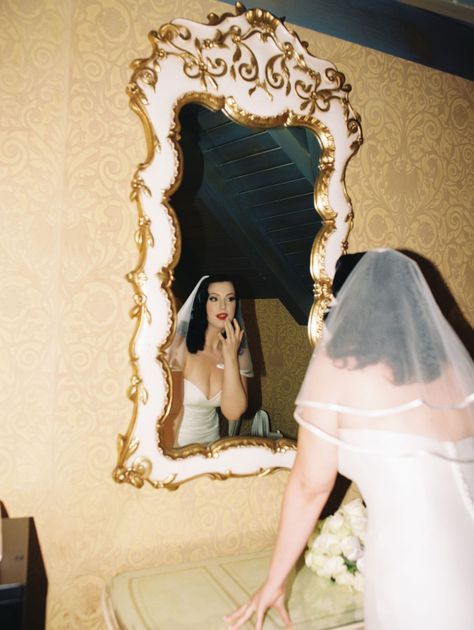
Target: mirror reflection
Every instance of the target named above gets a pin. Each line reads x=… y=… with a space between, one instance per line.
x=210 y=363
x=241 y=191
x=246 y=208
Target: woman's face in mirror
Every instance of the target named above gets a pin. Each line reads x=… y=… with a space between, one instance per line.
x=221 y=303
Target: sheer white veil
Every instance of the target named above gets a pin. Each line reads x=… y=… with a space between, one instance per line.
x=176 y=351
x=388 y=359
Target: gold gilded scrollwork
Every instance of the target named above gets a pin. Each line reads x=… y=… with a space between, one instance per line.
x=170 y=40
x=215 y=20
x=284 y=71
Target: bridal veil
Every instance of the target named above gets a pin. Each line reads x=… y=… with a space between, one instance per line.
x=388 y=359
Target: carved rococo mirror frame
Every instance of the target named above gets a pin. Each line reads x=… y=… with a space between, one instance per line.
x=260 y=75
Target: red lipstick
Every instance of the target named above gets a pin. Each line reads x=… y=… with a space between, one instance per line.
x=222 y=316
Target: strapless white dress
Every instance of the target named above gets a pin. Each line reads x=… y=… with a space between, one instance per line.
x=419 y=556
x=200 y=421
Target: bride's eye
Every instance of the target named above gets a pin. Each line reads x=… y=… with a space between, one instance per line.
x=231 y=298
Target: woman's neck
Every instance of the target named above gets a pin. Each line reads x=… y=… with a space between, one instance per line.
x=212 y=339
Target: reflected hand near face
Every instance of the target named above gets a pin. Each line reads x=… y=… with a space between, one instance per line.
x=231 y=338
x=266 y=597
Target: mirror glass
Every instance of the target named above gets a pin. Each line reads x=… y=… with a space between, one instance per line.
x=243 y=101
x=245 y=207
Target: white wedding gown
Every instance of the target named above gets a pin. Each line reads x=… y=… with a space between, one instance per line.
x=200 y=422
x=419 y=557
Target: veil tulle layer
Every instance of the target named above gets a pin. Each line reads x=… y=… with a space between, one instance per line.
x=388 y=359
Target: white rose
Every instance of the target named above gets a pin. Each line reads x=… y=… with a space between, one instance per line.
x=333 y=566
x=344 y=531
x=359 y=527
x=335 y=522
x=360 y=564
x=327 y=543
x=317 y=563
x=336 y=565
x=355 y=508
x=312 y=559
x=337 y=525
x=356 y=515
x=350 y=547
x=322 y=541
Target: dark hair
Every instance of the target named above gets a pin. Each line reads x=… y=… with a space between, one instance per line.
x=348 y=339
x=344 y=267
x=198 y=322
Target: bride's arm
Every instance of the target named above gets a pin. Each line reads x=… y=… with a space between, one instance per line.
x=175 y=413
x=310 y=483
x=234 y=385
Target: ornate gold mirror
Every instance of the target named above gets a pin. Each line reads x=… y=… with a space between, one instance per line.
x=249 y=69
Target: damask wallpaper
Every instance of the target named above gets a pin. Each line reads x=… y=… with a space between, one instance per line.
x=285 y=353
x=69 y=145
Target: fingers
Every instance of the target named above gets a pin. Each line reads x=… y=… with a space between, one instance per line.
x=230 y=618
x=233 y=332
x=229 y=329
x=280 y=608
x=282 y=611
x=243 y=614
x=240 y=616
x=259 y=604
x=260 y=615
x=233 y=326
x=230 y=338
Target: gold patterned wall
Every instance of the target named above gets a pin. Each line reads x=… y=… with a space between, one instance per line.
x=68 y=148
x=282 y=355
x=412 y=184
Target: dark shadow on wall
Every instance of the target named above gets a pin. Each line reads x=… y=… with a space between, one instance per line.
x=254 y=342
x=445 y=299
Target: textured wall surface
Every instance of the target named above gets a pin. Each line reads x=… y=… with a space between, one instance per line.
x=285 y=352
x=69 y=145
x=412 y=184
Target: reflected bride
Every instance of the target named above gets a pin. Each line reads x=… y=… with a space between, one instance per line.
x=210 y=363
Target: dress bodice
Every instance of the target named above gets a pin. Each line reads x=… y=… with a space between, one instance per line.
x=420 y=538
x=405 y=468
x=200 y=421
x=195 y=397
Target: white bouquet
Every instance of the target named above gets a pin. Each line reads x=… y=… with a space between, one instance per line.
x=336 y=549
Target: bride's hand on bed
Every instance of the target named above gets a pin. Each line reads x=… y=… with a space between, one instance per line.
x=231 y=338
x=266 y=597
